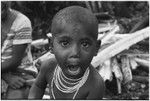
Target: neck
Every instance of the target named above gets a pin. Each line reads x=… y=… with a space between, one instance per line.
x=67 y=84
x=70 y=79
x=73 y=76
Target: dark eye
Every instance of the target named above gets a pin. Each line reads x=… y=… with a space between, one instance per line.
x=85 y=44
x=64 y=43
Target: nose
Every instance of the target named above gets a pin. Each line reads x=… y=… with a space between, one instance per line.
x=75 y=53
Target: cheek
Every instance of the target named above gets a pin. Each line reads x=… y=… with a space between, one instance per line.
x=60 y=53
x=59 y=56
x=88 y=55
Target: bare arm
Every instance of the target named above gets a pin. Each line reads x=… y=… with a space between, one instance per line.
x=44 y=76
x=97 y=92
x=36 y=92
x=38 y=88
x=97 y=89
x=13 y=62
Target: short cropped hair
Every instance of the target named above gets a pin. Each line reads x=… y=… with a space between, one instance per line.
x=72 y=15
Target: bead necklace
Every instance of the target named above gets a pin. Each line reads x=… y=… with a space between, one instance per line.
x=70 y=78
x=75 y=84
x=67 y=81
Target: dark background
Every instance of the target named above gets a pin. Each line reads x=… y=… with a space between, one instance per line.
x=127 y=13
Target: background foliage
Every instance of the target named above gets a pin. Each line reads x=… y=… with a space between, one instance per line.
x=127 y=13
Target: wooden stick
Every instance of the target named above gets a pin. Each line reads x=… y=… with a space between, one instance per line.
x=133 y=63
x=119 y=46
x=116 y=69
x=142 y=79
x=117 y=72
x=44 y=57
x=119 y=36
x=110 y=34
x=105 y=70
x=39 y=42
x=142 y=62
x=126 y=71
x=119 y=86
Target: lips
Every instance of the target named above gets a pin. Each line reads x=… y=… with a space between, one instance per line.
x=74 y=69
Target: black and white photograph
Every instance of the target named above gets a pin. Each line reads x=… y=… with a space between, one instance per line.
x=75 y=50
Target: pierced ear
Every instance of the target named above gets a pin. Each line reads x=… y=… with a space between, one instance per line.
x=98 y=44
x=50 y=45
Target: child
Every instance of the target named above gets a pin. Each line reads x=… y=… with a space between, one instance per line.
x=74 y=43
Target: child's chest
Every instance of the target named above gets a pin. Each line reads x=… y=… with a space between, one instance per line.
x=62 y=94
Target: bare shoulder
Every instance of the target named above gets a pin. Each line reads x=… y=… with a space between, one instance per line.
x=46 y=70
x=96 y=77
x=48 y=66
x=96 y=85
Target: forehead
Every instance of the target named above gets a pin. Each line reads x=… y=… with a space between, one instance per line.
x=78 y=30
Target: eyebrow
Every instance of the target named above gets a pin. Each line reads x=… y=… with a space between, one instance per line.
x=64 y=37
x=68 y=37
x=88 y=39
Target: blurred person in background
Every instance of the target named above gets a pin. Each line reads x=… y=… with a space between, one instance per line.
x=16 y=60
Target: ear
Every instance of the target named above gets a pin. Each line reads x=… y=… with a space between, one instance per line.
x=98 y=44
x=50 y=45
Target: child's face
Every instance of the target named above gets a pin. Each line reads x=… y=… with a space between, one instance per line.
x=74 y=49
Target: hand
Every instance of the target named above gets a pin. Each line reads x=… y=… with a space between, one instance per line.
x=14 y=81
x=38 y=64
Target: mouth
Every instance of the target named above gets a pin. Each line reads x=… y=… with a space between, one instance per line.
x=74 y=69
